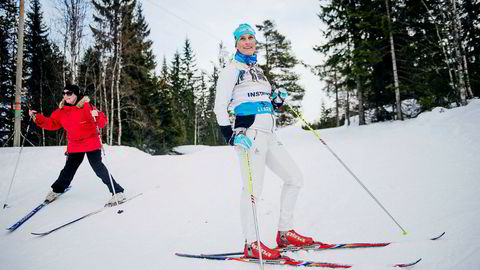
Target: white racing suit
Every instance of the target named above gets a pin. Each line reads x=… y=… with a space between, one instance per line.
x=246 y=90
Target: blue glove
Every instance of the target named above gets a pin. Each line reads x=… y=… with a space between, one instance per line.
x=282 y=93
x=242 y=141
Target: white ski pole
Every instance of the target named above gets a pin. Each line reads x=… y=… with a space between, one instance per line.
x=105 y=163
x=297 y=114
x=254 y=207
x=5 y=205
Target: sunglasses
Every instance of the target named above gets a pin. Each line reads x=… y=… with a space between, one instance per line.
x=68 y=93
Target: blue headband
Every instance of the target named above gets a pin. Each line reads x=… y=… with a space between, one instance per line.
x=243 y=29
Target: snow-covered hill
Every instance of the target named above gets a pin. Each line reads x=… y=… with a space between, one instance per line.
x=425 y=172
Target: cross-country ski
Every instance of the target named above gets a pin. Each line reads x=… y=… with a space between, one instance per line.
x=290 y=262
x=30 y=214
x=327 y=246
x=83 y=217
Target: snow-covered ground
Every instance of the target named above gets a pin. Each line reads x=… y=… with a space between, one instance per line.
x=425 y=171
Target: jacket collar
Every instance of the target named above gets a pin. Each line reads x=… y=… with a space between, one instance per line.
x=79 y=104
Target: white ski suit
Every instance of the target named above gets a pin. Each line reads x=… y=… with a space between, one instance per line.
x=245 y=90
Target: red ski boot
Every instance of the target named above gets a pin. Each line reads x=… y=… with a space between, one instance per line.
x=291 y=238
x=251 y=251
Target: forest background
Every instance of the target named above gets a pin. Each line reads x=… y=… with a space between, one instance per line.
x=382 y=60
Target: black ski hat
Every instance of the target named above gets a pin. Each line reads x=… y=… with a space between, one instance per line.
x=74 y=88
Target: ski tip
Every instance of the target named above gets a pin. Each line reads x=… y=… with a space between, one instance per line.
x=37 y=234
x=402 y=265
x=438 y=237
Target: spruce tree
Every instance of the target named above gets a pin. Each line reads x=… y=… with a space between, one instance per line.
x=278 y=67
x=43 y=81
x=426 y=70
x=8 y=44
x=213 y=136
x=140 y=88
x=471 y=36
x=166 y=112
x=188 y=91
x=177 y=84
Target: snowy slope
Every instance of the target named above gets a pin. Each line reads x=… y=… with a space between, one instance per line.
x=425 y=172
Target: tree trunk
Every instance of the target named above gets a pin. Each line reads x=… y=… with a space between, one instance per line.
x=361 y=110
x=458 y=54
x=394 y=65
x=337 y=102
x=467 y=77
x=41 y=108
x=117 y=83
x=112 y=101
x=195 y=125
x=444 y=51
x=347 y=108
x=104 y=89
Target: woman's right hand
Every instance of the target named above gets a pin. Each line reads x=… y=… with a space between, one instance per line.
x=32 y=113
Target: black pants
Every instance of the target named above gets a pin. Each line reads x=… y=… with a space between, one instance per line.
x=73 y=162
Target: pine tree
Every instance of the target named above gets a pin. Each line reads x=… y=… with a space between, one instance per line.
x=177 y=84
x=429 y=56
x=356 y=43
x=471 y=22
x=140 y=88
x=423 y=62
x=212 y=134
x=278 y=67
x=201 y=125
x=171 y=128
x=43 y=81
x=8 y=44
x=90 y=75
x=188 y=91
x=112 y=20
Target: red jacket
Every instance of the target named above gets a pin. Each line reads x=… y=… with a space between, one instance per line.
x=78 y=123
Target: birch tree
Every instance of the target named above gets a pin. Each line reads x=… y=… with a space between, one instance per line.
x=73 y=15
x=394 y=64
x=458 y=52
x=110 y=21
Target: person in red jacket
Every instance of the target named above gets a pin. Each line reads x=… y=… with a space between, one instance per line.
x=81 y=122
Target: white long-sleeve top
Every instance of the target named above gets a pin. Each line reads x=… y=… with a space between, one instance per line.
x=245 y=90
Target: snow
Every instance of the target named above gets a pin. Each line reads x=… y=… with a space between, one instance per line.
x=424 y=171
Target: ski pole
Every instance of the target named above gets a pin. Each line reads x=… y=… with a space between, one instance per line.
x=5 y=205
x=254 y=207
x=105 y=160
x=298 y=115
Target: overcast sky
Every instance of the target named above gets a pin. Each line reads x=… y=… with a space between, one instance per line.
x=206 y=23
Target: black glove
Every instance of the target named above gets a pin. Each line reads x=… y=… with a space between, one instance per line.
x=227 y=133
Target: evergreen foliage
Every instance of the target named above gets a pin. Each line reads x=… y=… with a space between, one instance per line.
x=8 y=44
x=358 y=53
x=189 y=91
x=43 y=81
x=279 y=62
x=157 y=112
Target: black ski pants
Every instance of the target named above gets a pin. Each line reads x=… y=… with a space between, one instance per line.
x=73 y=162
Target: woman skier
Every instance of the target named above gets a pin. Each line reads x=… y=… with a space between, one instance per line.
x=243 y=87
x=81 y=122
